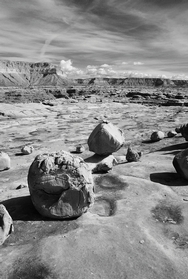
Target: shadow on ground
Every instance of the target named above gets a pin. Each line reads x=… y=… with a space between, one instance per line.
x=168 y=178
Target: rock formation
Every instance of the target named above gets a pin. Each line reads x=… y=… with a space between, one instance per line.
x=183 y=129
x=4 y=161
x=25 y=74
x=6 y=224
x=133 y=156
x=105 y=139
x=157 y=135
x=27 y=149
x=60 y=185
x=180 y=163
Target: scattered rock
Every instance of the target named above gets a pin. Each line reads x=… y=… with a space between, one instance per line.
x=80 y=149
x=178 y=130
x=133 y=156
x=105 y=165
x=157 y=136
x=27 y=149
x=171 y=134
x=6 y=224
x=183 y=129
x=121 y=159
x=180 y=163
x=21 y=186
x=60 y=185
x=4 y=161
x=105 y=139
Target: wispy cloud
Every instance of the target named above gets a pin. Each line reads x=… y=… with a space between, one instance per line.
x=137 y=35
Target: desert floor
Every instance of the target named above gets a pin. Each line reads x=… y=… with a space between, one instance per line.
x=138 y=225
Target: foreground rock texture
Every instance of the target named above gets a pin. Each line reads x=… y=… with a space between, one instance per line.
x=180 y=163
x=105 y=139
x=128 y=232
x=60 y=185
x=6 y=224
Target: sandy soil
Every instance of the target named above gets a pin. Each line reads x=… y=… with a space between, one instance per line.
x=137 y=227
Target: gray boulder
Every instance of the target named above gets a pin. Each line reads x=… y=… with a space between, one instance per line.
x=4 y=161
x=105 y=139
x=180 y=163
x=157 y=136
x=60 y=185
x=6 y=224
x=27 y=149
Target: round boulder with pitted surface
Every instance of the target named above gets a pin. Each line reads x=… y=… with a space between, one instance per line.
x=60 y=185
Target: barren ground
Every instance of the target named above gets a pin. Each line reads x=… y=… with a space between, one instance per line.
x=138 y=226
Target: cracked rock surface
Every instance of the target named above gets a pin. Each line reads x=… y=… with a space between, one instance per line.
x=60 y=185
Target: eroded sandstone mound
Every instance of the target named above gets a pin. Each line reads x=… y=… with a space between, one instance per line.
x=60 y=185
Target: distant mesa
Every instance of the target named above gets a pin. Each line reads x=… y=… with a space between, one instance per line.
x=43 y=74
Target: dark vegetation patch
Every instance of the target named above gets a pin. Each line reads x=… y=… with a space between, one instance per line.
x=31 y=269
x=167 y=213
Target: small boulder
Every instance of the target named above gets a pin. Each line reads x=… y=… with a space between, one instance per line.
x=105 y=164
x=133 y=156
x=183 y=129
x=180 y=163
x=105 y=139
x=60 y=185
x=171 y=134
x=4 y=161
x=157 y=136
x=6 y=224
x=27 y=149
x=80 y=149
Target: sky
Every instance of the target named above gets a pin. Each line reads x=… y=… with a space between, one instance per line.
x=115 y=38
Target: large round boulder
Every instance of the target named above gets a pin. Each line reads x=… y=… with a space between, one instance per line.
x=180 y=163
x=60 y=185
x=105 y=139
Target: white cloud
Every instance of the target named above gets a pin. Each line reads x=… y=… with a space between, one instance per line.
x=68 y=70
x=137 y=63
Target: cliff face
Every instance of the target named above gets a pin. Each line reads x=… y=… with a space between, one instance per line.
x=130 y=82
x=24 y=74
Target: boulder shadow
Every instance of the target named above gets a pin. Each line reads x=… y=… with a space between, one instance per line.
x=168 y=178
x=176 y=147
x=148 y=141
x=95 y=158
x=19 y=154
x=22 y=208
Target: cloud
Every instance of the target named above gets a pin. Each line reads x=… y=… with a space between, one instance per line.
x=137 y=63
x=117 y=33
